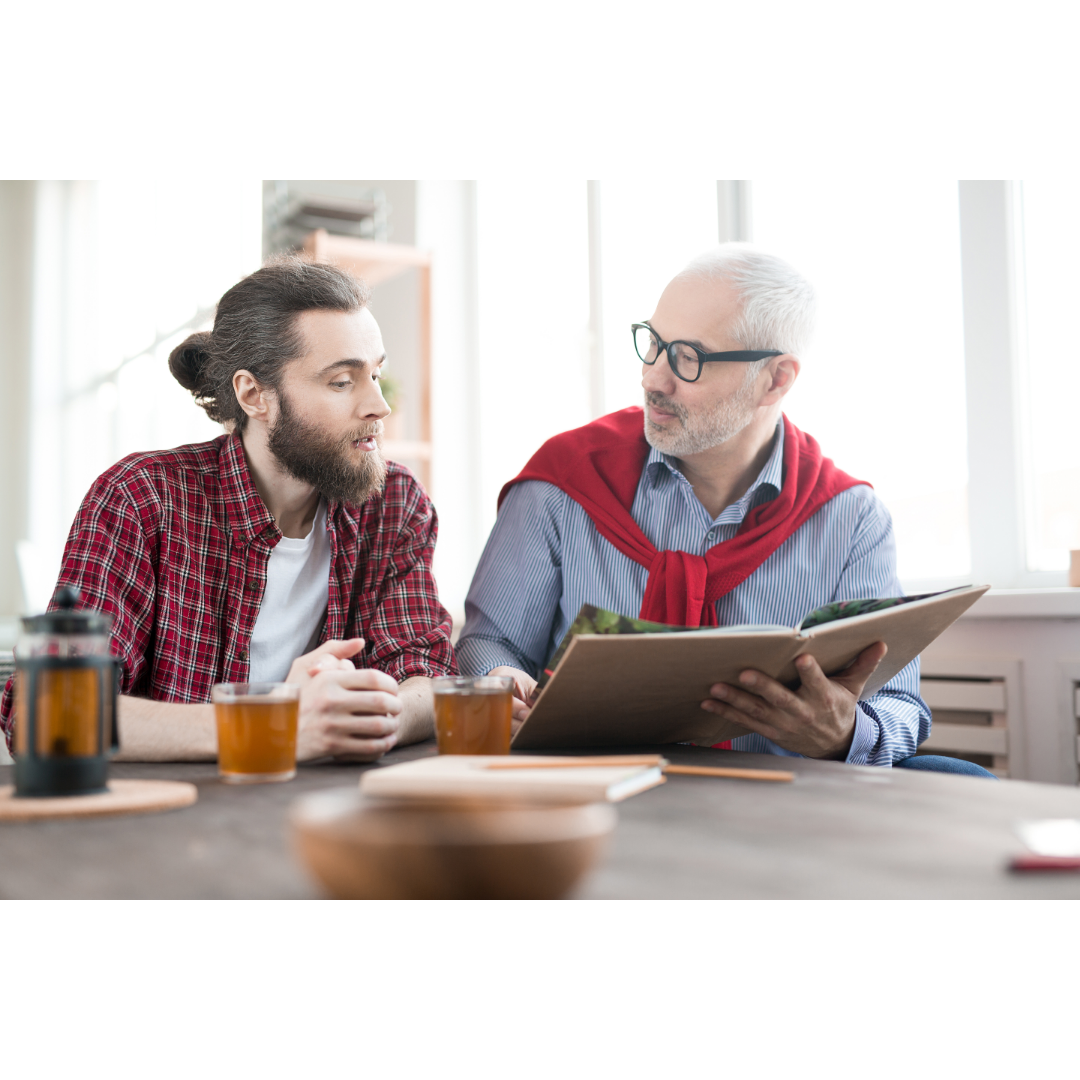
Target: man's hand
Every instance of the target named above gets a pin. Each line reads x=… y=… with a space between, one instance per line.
x=523 y=688
x=349 y=712
x=817 y=720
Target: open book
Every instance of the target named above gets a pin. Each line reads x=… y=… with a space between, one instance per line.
x=620 y=681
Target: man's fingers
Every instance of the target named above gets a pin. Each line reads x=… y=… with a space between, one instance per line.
x=340 y=726
x=737 y=716
x=324 y=741
x=343 y=701
x=776 y=694
x=524 y=684
x=811 y=675
x=342 y=649
x=329 y=663
x=872 y=656
x=360 y=679
x=361 y=749
x=759 y=698
x=853 y=678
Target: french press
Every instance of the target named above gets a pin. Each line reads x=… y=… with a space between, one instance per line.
x=66 y=688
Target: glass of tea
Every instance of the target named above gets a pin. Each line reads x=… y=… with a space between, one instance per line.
x=472 y=715
x=256 y=730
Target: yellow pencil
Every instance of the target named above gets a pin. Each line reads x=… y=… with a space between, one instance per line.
x=775 y=775
x=735 y=774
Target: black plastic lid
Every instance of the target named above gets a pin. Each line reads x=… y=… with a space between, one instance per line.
x=67 y=620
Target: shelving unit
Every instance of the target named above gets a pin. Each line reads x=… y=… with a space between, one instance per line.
x=377 y=262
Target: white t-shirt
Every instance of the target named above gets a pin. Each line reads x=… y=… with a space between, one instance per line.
x=294 y=603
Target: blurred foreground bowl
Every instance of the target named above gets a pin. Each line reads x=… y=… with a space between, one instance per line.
x=380 y=849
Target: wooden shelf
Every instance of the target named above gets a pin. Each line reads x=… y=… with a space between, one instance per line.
x=372 y=260
x=376 y=262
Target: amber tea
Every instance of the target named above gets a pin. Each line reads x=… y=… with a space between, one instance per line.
x=68 y=707
x=472 y=715
x=256 y=729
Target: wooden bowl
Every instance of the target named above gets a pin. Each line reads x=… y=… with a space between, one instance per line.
x=381 y=849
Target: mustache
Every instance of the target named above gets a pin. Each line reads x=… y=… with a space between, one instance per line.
x=661 y=402
x=367 y=431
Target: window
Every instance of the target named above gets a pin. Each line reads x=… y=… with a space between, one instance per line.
x=883 y=385
x=1049 y=280
x=533 y=301
x=649 y=230
x=124 y=270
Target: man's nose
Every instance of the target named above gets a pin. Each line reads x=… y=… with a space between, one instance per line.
x=374 y=406
x=658 y=378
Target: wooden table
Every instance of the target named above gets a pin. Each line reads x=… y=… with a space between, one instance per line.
x=838 y=831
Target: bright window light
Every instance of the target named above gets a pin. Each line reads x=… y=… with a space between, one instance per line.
x=127 y=267
x=649 y=230
x=533 y=313
x=882 y=388
x=1050 y=276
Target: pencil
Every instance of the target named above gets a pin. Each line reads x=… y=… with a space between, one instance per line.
x=644 y=760
x=735 y=774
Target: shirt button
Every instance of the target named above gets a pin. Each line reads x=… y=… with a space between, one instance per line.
x=243 y=654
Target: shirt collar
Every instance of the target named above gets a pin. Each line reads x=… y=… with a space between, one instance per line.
x=658 y=466
x=247 y=513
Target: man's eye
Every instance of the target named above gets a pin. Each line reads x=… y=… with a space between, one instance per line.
x=347 y=382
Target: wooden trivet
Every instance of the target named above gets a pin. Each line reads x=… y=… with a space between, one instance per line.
x=123 y=797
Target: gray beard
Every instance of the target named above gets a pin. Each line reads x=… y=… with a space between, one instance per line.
x=317 y=459
x=703 y=431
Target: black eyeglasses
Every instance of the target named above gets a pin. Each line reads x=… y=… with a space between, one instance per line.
x=684 y=359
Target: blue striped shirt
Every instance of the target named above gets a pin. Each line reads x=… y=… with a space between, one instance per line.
x=545 y=558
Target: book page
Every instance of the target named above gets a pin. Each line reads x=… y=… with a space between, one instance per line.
x=849 y=609
x=906 y=630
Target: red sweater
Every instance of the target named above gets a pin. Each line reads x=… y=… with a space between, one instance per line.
x=599 y=467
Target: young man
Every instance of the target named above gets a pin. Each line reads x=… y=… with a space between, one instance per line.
x=710 y=508
x=286 y=550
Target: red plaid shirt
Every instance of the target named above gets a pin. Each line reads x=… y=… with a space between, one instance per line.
x=174 y=544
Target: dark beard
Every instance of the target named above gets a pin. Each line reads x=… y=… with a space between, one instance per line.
x=324 y=462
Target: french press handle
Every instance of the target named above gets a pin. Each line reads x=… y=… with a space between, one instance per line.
x=115 y=740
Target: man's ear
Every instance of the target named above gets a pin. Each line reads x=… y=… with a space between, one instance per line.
x=782 y=372
x=253 y=399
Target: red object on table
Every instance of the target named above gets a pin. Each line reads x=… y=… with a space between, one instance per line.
x=1045 y=862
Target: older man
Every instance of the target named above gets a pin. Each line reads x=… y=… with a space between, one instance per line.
x=707 y=508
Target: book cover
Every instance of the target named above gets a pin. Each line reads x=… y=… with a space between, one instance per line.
x=515 y=777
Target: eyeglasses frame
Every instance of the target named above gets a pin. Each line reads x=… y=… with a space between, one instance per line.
x=746 y=356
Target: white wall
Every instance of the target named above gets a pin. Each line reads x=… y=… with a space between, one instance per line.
x=16 y=260
x=446 y=225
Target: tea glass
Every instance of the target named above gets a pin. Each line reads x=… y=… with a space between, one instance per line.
x=256 y=730
x=473 y=714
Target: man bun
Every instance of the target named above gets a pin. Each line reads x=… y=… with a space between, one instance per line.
x=256 y=330
x=189 y=361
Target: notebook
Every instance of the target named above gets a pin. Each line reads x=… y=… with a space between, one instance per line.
x=515 y=777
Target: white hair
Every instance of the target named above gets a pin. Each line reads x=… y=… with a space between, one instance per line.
x=777 y=303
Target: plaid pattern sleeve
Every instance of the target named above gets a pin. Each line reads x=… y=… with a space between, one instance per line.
x=394 y=603
x=175 y=545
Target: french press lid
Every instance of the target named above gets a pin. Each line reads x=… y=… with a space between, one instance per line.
x=67 y=620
